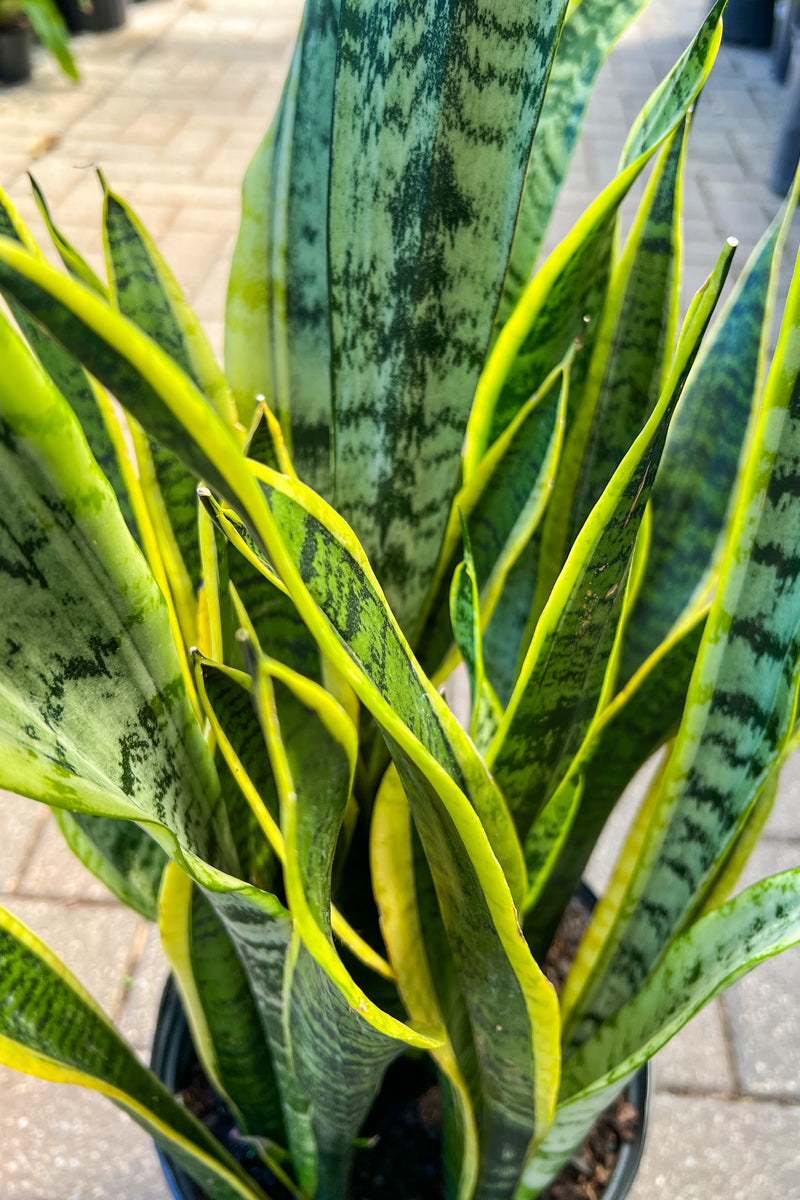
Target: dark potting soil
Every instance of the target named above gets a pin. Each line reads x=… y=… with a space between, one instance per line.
x=401 y=1155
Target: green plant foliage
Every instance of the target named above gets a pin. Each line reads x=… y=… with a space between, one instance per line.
x=48 y=25
x=233 y=602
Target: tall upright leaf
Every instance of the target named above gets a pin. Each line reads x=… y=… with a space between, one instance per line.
x=591 y=27
x=434 y=115
x=219 y=1005
x=739 y=712
x=565 y=670
x=502 y=505
x=630 y=351
x=695 y=487
x=277 y=321
x=570 y=284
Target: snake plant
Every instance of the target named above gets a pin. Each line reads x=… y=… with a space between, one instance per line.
x=231 y=601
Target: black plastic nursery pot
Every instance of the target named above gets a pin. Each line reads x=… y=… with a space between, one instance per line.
x=748 y=23
x=174 y=1060
x=103 y=15
x=15 y=54
x=71 y=12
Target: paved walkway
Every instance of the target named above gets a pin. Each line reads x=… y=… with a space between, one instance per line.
x=172 y=107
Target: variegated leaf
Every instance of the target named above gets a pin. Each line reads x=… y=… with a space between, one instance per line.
x=565 y=670
x=738 y=714
x=123 y=856
x=219 y=1005
x=694 y=492
x=591 y=27
x=50 y=1027
x=425 y=183
x=570 y=284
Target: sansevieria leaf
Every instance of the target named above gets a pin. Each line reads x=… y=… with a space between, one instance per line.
x=739 y=714
x=761 y=922
x=591 y=27
x=71 y=258
x=694 y=491
x=277 y=339
x=625 y=734
x=91 y=409
x=104 y=725
x=219 y=1005
x=405 y=921
x=123 y=856
x=562 y=680
x=502 y=505
x=50 y=1027
x=449 y=826
x=632 y=348
x=423 y=203
x=569 y=284
x=339 y=1041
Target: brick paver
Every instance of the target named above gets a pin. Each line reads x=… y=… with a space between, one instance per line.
x=172 y=107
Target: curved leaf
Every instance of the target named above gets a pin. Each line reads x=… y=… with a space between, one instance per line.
x=760 y=922
x=51 y=1028
x=49 y=27
x=122 y=856
x=94 y=715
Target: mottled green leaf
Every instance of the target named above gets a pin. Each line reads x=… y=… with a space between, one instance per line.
x=433 y=121
x=696 y=482
x=503 y=504
x=219 y=1005
x=739 y=710
x=409 y=920
x=565 y=670
x=94 y=714
x=504 y=636
x=123 y=856
x=71 y=258
x=634 y=343
x=591 y=27
x=570 y=284
x=512 y=1008
x=50 y=1027
x=628 y=731
x=146 y=291
x=277 y=321
x=760 y=922
x=340 y=1042
x=92 y=410
x=299 y=533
